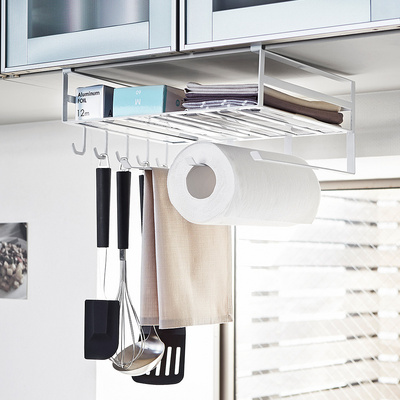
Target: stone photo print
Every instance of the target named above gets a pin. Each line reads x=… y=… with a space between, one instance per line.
x=13 y=260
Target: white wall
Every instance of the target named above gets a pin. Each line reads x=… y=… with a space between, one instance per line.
x=41 y=339
x=41 y=342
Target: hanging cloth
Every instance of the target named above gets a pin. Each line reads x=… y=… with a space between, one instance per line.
x=186 y=274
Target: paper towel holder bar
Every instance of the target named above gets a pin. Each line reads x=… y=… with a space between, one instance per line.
x=256 y=156
x=191 y=161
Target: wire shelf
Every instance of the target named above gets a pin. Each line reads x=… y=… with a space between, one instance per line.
x=221 y=124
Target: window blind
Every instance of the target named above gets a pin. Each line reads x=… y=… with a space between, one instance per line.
x=317 y=306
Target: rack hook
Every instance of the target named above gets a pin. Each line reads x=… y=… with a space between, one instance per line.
x=83 y=151
x=165 y=165
x=127 y=150
x=102 y=155
x=125 y=164
x=105 y=160
x=145 y=163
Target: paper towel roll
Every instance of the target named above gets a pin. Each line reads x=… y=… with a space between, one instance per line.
x=231 y=188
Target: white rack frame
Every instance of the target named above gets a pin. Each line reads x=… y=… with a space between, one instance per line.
x=235 y=123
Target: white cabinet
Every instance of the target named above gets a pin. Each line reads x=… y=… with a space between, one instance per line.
x=46 y=34
x=221 y=22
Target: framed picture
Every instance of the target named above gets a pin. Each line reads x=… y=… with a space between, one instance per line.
x=13 y=260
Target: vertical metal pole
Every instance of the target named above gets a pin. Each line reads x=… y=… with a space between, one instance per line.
x=227 y=364
x=227 y=356
x=350 y=136
x=65 y=73
x=261 y=75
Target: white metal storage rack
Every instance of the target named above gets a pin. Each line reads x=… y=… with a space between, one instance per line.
x=237 y=123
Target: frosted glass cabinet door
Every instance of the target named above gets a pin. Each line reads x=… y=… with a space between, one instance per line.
x=249 y=20
x=51 y=33
x=387 y=9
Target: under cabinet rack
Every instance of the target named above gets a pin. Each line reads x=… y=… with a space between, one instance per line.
x=220 y=125
x=230 y=124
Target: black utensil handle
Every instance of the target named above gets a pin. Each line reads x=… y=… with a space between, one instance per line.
x=123 y=203
x=103 y=191
x=141 y=193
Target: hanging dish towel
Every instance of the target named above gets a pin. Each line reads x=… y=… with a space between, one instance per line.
x=186 y=268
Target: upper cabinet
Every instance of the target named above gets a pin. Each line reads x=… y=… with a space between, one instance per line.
x=224 y=22
x=40 y=34
x=48 y=34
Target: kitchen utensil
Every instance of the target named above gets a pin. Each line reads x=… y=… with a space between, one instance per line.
x=130 y=329
x=152 y=354
x=141 y=194
x=153 y=347
x=101 y=328
x=101 y=316
x=172 y=366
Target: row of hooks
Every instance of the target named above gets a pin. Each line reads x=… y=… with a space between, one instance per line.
x=124 y=160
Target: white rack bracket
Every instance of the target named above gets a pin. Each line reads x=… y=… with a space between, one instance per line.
x=266 y=79
x=67 y=98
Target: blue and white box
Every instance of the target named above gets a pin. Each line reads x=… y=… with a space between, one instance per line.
x=144 y=100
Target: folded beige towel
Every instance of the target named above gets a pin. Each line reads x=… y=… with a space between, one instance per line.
x=186 y=268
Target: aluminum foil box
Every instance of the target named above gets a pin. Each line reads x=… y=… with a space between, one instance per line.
x=94 y=102
x=143 y=100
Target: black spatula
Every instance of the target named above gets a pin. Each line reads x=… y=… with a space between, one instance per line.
x=172 y=366
x=102 y=316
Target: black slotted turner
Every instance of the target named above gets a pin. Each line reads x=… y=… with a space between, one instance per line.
x=172 y=366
